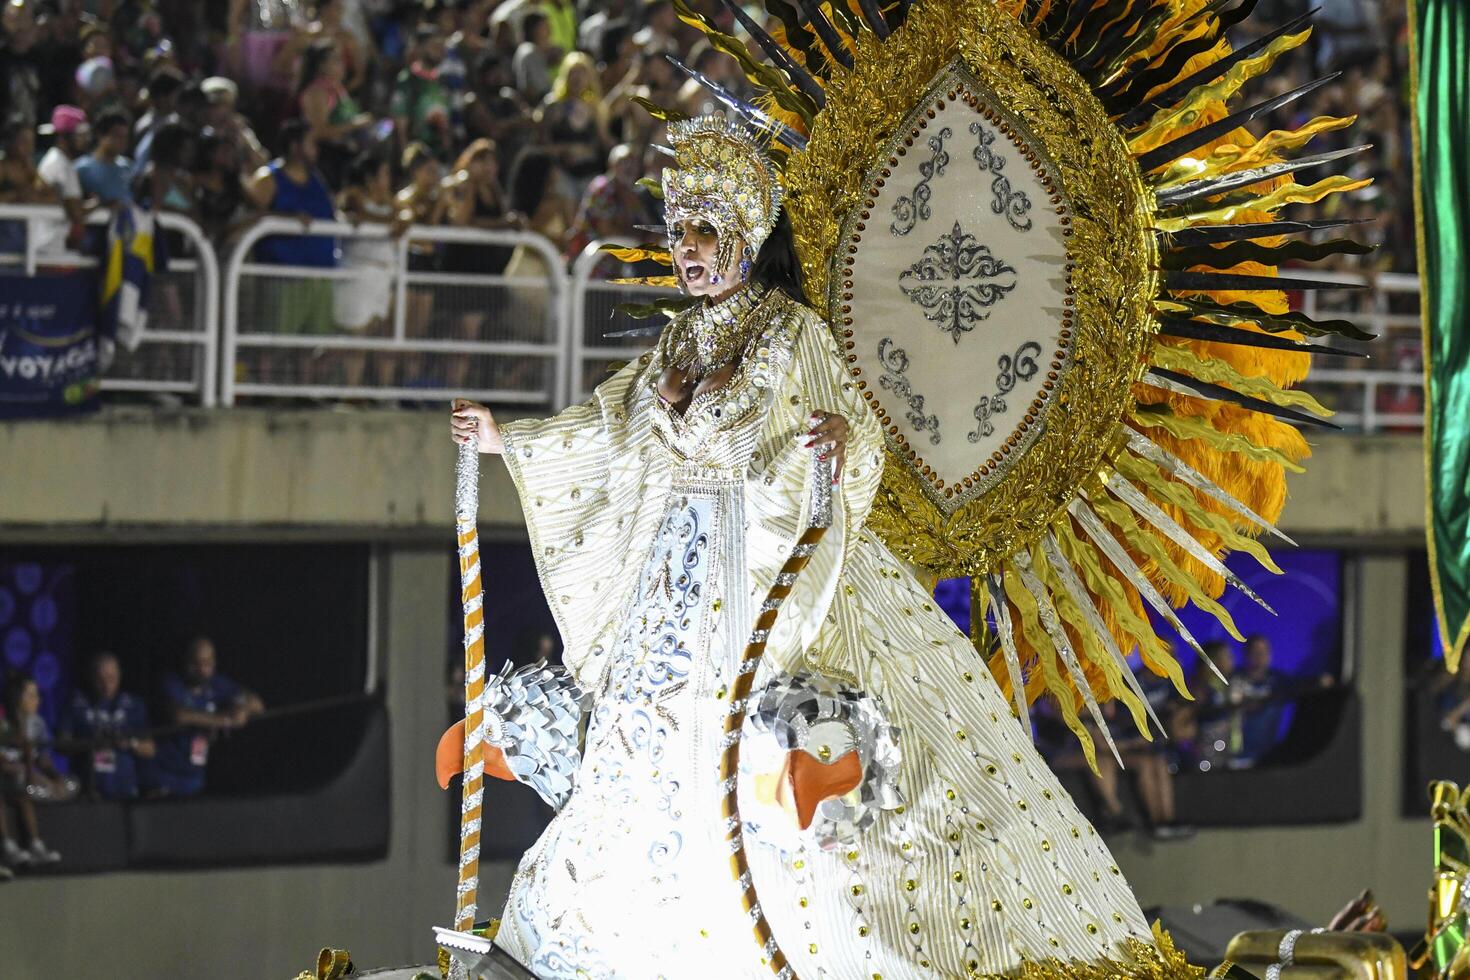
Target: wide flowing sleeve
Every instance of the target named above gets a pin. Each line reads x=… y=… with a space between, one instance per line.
x=591 y=481
x=816 y=379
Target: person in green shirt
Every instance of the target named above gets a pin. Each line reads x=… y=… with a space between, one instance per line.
x=421 y=101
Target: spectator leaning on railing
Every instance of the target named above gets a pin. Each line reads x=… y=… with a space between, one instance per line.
x=20 y=181
x=106 y=173
x=204 y=703
x=58 y=169
x=291 y=186
x=364 y=302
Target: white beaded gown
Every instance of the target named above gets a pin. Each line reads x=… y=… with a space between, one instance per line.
x=656 y=535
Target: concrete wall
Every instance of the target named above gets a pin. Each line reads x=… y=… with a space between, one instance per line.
x=387 y=477
x=391 y=474
x=267 y=924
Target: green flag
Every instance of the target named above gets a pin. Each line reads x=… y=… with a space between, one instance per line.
x=1440 y=54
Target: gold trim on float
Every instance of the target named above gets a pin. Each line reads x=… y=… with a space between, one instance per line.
x=1109 y=240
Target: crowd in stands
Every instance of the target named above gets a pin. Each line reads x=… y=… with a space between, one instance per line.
x=108 y=745
x=1238 y=716
x=516 y=114
x=507 y=114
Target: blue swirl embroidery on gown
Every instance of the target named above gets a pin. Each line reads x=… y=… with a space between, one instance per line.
x=654 y=654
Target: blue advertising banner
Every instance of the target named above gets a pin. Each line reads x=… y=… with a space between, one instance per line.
x=48 y=345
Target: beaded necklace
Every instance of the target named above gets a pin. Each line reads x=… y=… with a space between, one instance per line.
x=712 y=335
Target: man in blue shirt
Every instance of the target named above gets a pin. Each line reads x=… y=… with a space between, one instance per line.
x=1264 y=693
x=114 y=727
x=105 y=172
x=203 y=703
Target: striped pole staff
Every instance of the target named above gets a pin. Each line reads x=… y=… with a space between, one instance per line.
x=466 y=508
x=801 y=554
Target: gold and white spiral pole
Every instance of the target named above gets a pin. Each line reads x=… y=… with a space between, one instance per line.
x=801 y=554
x=466 y=508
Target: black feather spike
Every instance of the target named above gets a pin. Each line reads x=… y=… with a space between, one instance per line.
x=634 y=332
x=1066 y=26
x=1110 y=25
x=1056 y=14
x=798 y=36
x=1172 y=150
x=1147 y=34
x=1119 y=42
x=1270 y=322
x=1175 y=280
x=843 y=19
x=1142 y=79
x=1174 y=381
x=835 y=48
x=1209 y=234
x=874 y=18
x=1099 y=19
x=783 y=61
x=1209 y=73
x=1237 y=252
x=1232 y=17
x=1174 y=326
x=1209 y=187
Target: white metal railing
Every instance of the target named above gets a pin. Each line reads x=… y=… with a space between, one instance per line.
x=592 y=315
x=1376 y=393
x=539 y=339
x=178 y=353
x=416 y=354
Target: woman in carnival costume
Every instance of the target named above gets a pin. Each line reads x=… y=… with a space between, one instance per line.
x=894 y=816
x=788 y=740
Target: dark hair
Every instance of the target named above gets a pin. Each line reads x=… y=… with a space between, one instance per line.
x=530 y=22
x=312 y=61
x=110 y=120
x=192 y=97
x=362 y=168
x=529 y=179
x=1214 y=647
x=776 y=265
x=170 y=142
x=614 y=33
x=209 y=142
x=165 y=82
x=293 y=131
x=14 y=686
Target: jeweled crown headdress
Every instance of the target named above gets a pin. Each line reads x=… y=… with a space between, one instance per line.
x=723 y=175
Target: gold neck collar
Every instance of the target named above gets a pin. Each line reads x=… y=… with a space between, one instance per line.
x=716 y=333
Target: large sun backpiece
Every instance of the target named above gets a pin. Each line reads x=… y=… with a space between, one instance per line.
x=1048 y=244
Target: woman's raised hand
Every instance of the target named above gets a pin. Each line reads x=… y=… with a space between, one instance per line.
x=469 y=421
x=828 y=435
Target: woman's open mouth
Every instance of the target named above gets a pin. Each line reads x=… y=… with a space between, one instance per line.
x=693 y=272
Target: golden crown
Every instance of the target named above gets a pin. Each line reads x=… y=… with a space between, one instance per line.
x=721 y=174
